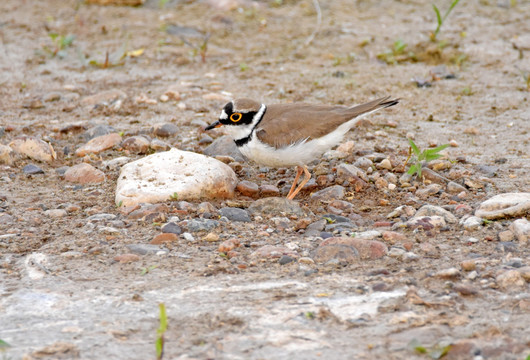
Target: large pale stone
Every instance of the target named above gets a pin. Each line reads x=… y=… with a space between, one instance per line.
x=504 y=206
x=33 y=148
x=174 y=174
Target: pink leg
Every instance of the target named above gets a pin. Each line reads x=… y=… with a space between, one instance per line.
x=306 y=179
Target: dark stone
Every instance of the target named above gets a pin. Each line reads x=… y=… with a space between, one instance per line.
x=336 y=218
x=32 y=169
x=285 y=259
x=96 y=131
x=171 y=228
x=235 y=214
x=166 y=130
x=224 y=145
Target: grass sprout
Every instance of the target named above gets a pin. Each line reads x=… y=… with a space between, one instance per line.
x=160 y=332
x=419 y=158
x=440 y=19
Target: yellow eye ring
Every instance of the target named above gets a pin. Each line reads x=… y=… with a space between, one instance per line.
x=235 y=117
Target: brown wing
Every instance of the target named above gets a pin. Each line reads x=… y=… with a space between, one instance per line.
x=285 y=124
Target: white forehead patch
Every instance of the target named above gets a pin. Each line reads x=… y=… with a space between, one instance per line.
x=224 y=115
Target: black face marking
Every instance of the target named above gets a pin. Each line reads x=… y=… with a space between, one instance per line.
x=244 y=119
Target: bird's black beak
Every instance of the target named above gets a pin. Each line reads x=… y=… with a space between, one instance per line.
x=213 y=126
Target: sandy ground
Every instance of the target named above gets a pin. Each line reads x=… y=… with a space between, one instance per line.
x=63 y=296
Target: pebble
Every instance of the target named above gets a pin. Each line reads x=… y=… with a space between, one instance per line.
x=98 y=130
x=448 y=273
x=426 y=222
x=331 y=193
x=403 y=210
x=472 y=223
x=348 y=172
x=510 y=280
x=269 y=190
x=367 y=249
x=504 y=206
x=172 y=228
x=32 y=169
x=99 y=144
x=164 y=129
x=84 y=174
x=454 y=188
x=101 y=217
x=506 y=235
x=248 y=188
x=235 y=214
x=521 y=230
x=430 y=210
x=468 y=265
x=34 y=148
x=159 y=145
x=195 y=225
x=126 y=258
x=161 y=176
x=384 y=164
x=55 y=213
x=433 y=176
x=229 y=245
x=273 y=252
x=136 y=144
x=286 y=259
x=363 y=163
x=163 y=238
x=6 y=155
x=224 y=145
x=465 y=289
x=396 y=252
x=342 y=253
x=146 y=249
x=188 y=237
x=211 y=237
x=116 y=163
x=276 y=206
x=146 y=211
x=206 y=207
x=429 y=190
x=393 y=237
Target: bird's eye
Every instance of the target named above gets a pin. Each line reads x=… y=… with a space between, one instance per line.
x=235 y=117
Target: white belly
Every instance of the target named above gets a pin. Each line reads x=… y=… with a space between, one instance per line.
x=300 y=153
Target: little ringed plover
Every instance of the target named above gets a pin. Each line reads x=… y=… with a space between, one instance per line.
x=281 y=135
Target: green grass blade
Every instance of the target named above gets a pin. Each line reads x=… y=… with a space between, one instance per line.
x=453 y=4
x=163 y=319
x=414 y=148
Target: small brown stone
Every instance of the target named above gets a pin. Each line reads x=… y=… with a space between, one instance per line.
x=84 y=174
x=393 y=237
x=229 y=245
x=248 y=188
x=126 y=258
x=164 y=238
x=368 y=249
x=99 y=144
x=468 y=265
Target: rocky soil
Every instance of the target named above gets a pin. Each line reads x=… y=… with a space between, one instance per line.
x=97 y=229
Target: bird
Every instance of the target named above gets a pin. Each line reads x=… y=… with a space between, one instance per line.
x=291 y=134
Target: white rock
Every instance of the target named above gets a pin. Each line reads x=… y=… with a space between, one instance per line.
x=472 y=223
x=156 y=178
x=430 y=210
x=55 y=213
x=521 y=229
x=505 y=205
